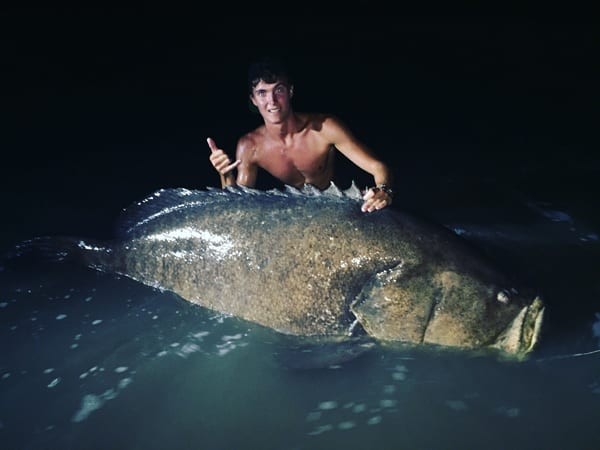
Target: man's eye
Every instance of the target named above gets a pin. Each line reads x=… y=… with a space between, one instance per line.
x=280 y=90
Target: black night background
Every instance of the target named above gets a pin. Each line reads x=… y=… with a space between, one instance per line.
x=102 y=106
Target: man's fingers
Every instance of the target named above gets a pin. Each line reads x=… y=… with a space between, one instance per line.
x=375 y=201
x=368 y=194
x=218 y=156
x=212 y=144
x=230 y=167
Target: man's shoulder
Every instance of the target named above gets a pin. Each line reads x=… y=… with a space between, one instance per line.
x=318 y=120
x=251 y=137
x=248 y=143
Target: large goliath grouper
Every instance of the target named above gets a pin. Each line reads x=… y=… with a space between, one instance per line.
x=310 y=263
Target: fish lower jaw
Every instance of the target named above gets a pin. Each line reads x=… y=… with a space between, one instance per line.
x=522 y=334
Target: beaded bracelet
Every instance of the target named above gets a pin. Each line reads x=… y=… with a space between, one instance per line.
x=384 y=187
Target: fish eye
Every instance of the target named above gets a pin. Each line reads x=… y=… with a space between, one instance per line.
x=503 y=297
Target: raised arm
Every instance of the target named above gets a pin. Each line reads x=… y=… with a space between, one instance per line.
x=378 y=196
x=247 y=170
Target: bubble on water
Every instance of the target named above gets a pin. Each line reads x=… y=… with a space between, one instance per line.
x=234 y=337
x=5 y=375
x=154 y=317
x=121 y=369
x=54 y=382
x=200 y=334
x=3 y=304
x=48 y=370
x=388 y=403
x=87 y=299
x=77 y=337
x=175 y=344
x=327 y=405
x=74 y=346
x=596 y=327
x=321 y=429
x=313 y=416
x=399 y=376
x=588 y=237
x=83 y=375
x=124 y=383
x=61 y=317
x=510 y=412
x=389 y=389
x=97 y=322
x=162 y=353
x=223 y=351
x=68 y=296
x=358 y=408
x=374 y=420
x=187 y=349
x=457 y=405
x=109 y=394
x=346 y=425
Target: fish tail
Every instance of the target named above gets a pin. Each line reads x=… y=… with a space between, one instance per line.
x=62 y=249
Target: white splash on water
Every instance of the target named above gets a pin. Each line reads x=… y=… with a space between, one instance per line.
x=388 y=403
x=54 y=382
x=321 y=429
x=346 y=425
x=374 y=420
x=85 y=246
x=327 y=405
x=457 y=405
x=89 y=404
x=187 y=349
x=510 y=412
x=93 y=402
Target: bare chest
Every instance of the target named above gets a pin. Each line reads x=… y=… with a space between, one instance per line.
x=297 y=161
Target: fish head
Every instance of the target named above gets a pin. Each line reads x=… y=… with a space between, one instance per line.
x=449 y=308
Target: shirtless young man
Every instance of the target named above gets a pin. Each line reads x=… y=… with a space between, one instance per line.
x=296 y=148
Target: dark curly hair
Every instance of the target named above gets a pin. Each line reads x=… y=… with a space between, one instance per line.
x=270 y=70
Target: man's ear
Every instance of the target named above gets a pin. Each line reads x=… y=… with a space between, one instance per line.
x=291 y=91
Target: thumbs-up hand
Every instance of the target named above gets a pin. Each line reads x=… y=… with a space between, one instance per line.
x=220 y=160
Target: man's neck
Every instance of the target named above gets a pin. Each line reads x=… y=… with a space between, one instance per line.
x=288 y=127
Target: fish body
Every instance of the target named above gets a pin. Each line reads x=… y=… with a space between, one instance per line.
x=311 y=263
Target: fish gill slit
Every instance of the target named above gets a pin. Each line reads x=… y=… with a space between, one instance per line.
x=436 y=301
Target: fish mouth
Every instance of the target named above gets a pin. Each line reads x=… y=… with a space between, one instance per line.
x=522 y=334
